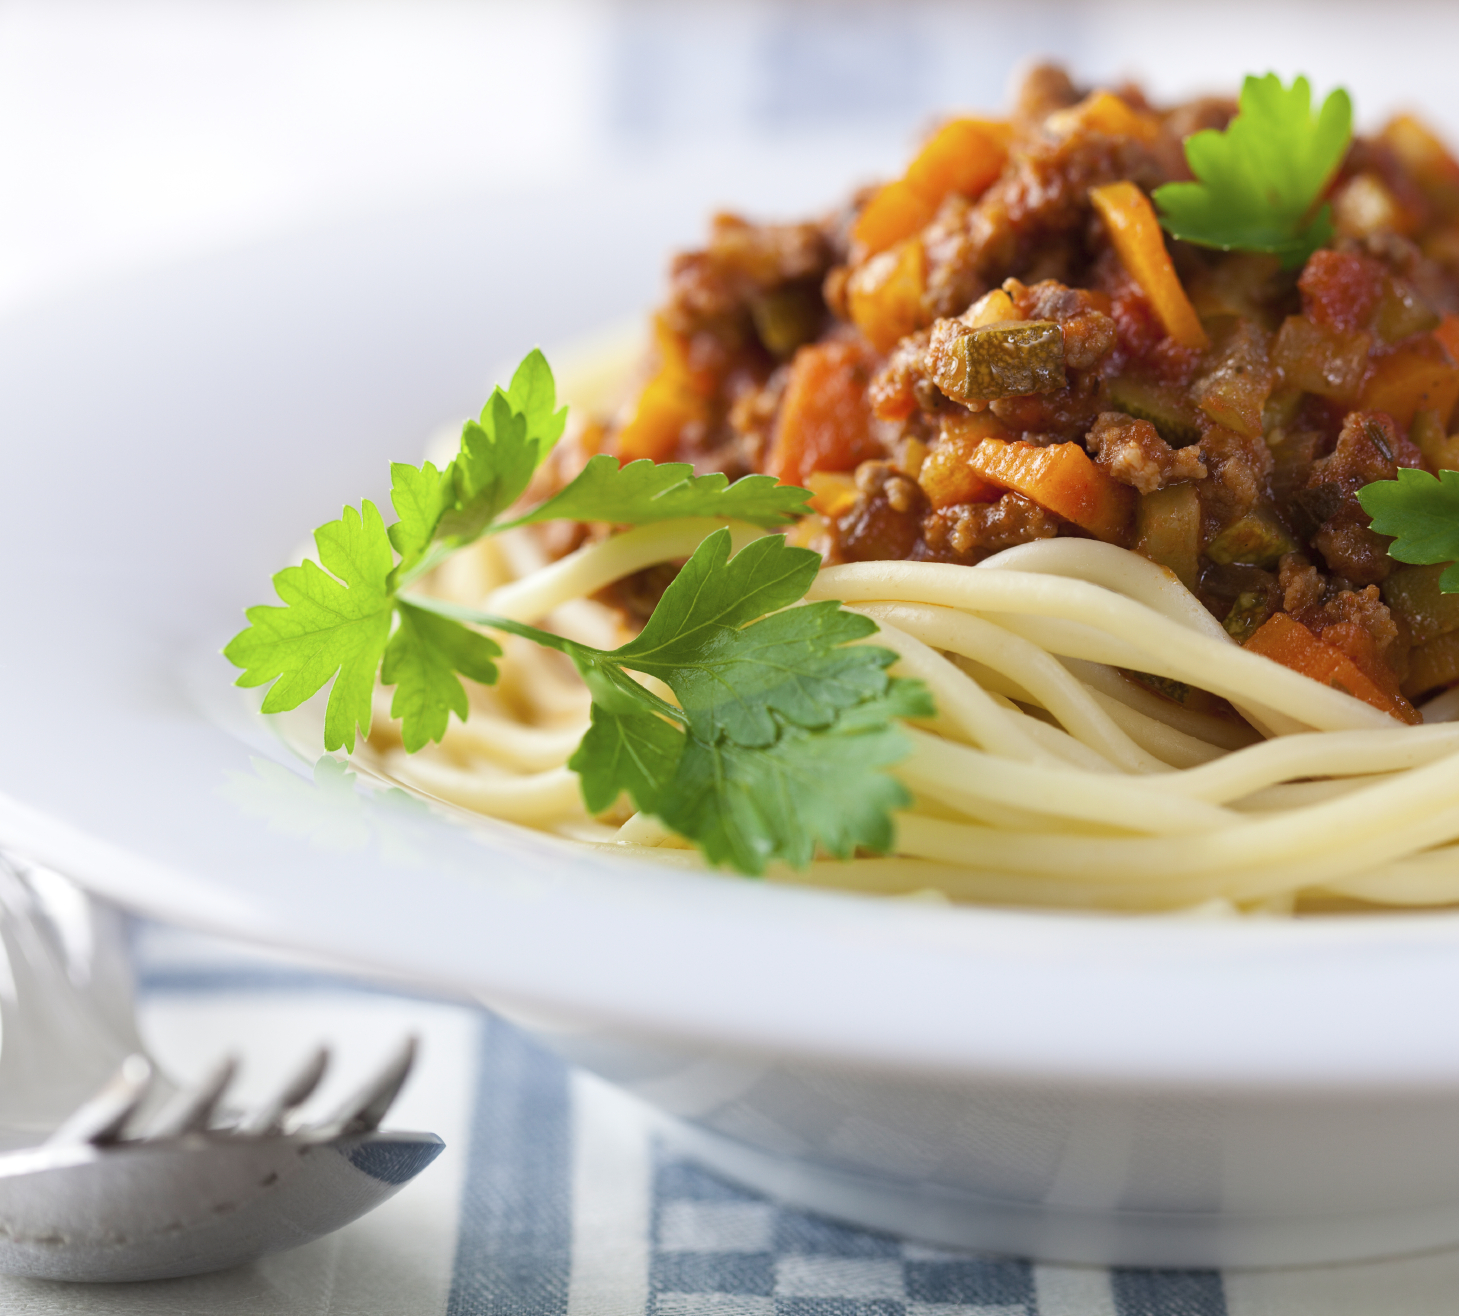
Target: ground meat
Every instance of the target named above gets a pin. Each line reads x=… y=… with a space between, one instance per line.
x=1082 y=315
x=1368 y=448
x=752 y=416
x=1301 y=583
x=894 y=392
x=884 y=521
x=1134 y=454
x=969 y=532
x=1266 y=422
x=1044 y=196
x=750 y=276
x=1357 y=621
x=1237 y=468
x=1044 y=89
x=953 y=280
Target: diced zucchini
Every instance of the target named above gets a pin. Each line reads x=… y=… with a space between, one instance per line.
x=787 y=317
x=1005 y=360
x=1176 y=691
x=1236 y=383
x=1293 y=452
x=1162 y=405
x=1281 y=409
x=1257 y=539
x=1433 y=666
x=1402 y=312
x=1413 y=595
x=1310 y=507
x=1168 y=530
x=1316 y=359
x=1247 y=614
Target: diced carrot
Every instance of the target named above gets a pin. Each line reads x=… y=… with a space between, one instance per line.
x=964 y=156
x=673 y=398
x=832 y=492
x=1135 y=232
x=884 y=295
x=824 y=423
x=1284 y=639
x=1104 y=112
x=947 y=476
x=1062 y=479
x=1420 y=375
x=1448 y=334
x=1427 y=158
x=895 y=212
x=664 y=407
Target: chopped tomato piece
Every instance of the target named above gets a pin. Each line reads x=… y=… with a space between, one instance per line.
x=1340 y=289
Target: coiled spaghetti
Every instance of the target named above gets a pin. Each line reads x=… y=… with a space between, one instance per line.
x=1047 y=777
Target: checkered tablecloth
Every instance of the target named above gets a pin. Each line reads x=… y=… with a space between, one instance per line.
x=559 y=1196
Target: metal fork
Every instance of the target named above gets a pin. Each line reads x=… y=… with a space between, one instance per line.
x=114 y=1172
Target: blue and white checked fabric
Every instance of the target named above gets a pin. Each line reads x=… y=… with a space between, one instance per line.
x=559 y=1196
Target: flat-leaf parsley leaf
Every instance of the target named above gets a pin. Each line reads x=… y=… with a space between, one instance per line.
x=1260 y=181
x=782 y=725
x=1422 y=512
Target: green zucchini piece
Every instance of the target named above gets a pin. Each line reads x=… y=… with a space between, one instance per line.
x=1247 y=614
x=1168 y=531
x=787 y=317
x=1257 y=539
x=1006 y=360
x=1413 y=594
x=1164 y=406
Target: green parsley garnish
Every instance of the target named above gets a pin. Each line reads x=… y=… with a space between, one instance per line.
x=1422 y=512
x=1260 y=181
x=782 y=726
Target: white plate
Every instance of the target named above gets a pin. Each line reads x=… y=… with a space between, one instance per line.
x=165 y=444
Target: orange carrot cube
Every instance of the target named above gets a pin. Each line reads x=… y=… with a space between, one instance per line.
x=1062 y=479
x=884 y=295
x=1419 y=376
x=824 y=423
x=964 y=156
x=1284 y=639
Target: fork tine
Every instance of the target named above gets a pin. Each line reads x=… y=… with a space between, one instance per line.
x=363 y=1112
x=100 y=1120
x=269 y=1117
x=191 y=1110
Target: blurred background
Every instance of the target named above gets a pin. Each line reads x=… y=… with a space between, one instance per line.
x=140 y=132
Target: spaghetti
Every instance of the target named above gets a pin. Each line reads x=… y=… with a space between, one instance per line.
x=1044 y=778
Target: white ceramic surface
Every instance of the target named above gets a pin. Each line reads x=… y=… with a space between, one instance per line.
x=1156 y=1091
